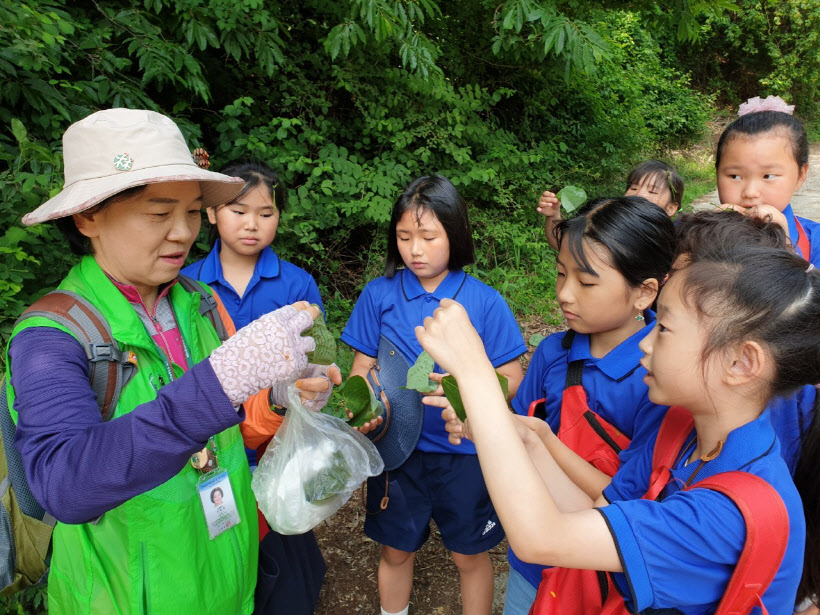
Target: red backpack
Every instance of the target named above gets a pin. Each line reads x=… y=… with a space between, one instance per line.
x=568 y=591
x=581 y=429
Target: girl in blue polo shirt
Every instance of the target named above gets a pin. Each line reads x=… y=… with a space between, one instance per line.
x=762 y=159
x=251 y=280
x=430 y=236
x=612 y=258
x=732 y=331
x=242 y=267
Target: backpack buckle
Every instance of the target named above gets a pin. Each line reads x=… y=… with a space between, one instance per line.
x=100 y=352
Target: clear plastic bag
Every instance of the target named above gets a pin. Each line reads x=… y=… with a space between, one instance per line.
x=311 y=468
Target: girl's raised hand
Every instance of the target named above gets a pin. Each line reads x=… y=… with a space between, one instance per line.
x=549 y=205
x=451 y=339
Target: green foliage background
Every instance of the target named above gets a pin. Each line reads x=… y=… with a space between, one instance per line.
x=351 y=99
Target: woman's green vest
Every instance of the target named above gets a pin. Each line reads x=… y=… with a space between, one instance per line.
x=152 y=554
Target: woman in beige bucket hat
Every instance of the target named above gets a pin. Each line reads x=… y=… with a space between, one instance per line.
x=131 y=535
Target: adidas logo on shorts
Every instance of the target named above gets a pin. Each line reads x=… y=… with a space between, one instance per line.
x=490 y=525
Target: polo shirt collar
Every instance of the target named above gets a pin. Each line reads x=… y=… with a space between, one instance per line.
x=621 y=360
x=266 y=267
x=743 y=445
x=268 y=264
x=447 y=288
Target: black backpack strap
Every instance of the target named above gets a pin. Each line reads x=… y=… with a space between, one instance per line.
x=569 y=337
x=109 y=368
x=207 y=304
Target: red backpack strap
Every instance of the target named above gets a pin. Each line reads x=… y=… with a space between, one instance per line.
x=675 y=428
x=802 y=240
x=767 y=534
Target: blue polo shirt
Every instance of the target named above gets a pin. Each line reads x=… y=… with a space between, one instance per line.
x=395 y=306
x=275 y=283
x=681 y=551
x=812 y=229
x=791 y=417
x=615 y=392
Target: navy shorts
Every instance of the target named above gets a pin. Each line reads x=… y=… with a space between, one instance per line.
x=445 y=487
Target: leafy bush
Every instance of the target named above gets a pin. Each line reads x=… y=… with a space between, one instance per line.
x=766 y=47
x=349 y=101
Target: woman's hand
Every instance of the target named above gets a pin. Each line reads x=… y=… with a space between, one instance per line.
x=452 y=341
x=268 y=351
x=315 y=385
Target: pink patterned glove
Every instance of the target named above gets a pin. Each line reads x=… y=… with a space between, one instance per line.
x=269 y=350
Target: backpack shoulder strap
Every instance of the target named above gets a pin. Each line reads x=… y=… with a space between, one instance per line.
x=208 y=305
x=767 y=534
x=675 y=428
x=109 y=367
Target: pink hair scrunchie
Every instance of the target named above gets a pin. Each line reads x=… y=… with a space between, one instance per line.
x=770 y=103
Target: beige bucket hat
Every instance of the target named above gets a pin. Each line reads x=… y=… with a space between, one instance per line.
x=113 y=150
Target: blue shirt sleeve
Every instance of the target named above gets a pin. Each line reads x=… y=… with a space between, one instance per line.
x=312 y=293
x=534 y=386
x=66 y=448
x=632 y=478
x=694 y=535
x=502 y=335
x=364 y=324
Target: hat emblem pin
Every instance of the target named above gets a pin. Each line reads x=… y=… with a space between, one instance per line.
x=123 y=162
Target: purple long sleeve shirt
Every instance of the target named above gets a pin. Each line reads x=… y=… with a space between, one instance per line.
x=79 y=467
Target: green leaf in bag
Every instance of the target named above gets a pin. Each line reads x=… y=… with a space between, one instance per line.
x=571 y=197
x=325 y=352
x=453 y=395
x=331 y=480
x=418 y=377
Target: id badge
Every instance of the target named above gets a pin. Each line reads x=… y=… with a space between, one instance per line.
x=218 y=503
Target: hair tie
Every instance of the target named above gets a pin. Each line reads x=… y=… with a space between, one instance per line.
x=770 y=103
x=810 y=268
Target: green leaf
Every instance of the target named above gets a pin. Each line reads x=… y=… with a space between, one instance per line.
x=453 y=394
x=418 y=377
x=325 y=352
x=19 y=131
x=356 y=397
x=571 y=197
x=536 y=339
